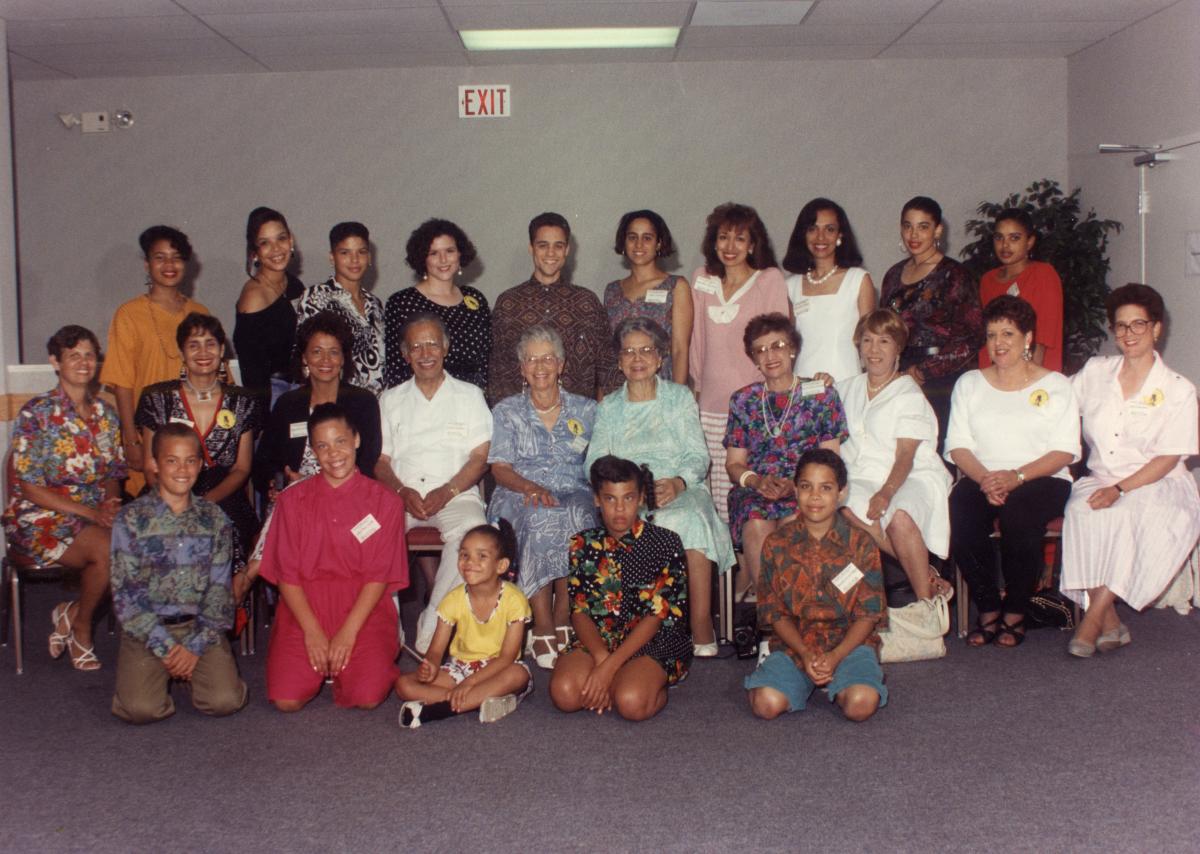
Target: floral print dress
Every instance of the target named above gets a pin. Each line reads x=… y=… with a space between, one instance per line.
x=619 y=582
x=66 y=451
x=775 y=428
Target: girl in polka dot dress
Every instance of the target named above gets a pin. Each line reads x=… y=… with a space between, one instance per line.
x=628 y=589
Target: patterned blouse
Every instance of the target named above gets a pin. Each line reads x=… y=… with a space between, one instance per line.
x=367 y=355
x=70 y=453
x=945 y=320
x=617 y=583
x=469 y=325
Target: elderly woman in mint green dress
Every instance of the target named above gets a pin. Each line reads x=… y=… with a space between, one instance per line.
x=538 y=441
x=655 y=422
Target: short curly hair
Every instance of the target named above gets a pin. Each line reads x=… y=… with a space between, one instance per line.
x=176 y=238
x=1015 y=310
x=70 y=336
x=416 y=251
x=765 y=324
x=324 y=323
x=1135 y=293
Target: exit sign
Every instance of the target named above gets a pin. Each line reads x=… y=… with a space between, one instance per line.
x=476 y=102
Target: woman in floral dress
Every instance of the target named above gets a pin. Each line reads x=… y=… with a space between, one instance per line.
x=68 y=462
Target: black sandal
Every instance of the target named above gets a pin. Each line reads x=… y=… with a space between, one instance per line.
x=986 y=632
x=1016 y=631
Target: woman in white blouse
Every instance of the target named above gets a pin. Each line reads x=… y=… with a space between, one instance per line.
x=1014 y=429
x=898 y=484
x=1133 y=520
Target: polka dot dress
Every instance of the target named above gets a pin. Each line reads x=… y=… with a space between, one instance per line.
x=469 y=325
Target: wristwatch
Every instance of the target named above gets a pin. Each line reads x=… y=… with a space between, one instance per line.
x=1020 y=476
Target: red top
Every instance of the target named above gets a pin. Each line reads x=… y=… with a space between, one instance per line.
x=1038 y=284
x=352 y=533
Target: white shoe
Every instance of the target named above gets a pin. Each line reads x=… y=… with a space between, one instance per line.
x=764 y=649
x=706 y=650
x=545 y=660
x=494 y=708
x=410 y=714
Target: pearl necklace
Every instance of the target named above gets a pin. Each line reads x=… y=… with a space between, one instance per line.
x=203 y=395
x=776 y=428
x=875 y=389
x=822 y=279
x=546 y=411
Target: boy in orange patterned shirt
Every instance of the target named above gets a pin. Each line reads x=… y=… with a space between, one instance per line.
x=821 y=592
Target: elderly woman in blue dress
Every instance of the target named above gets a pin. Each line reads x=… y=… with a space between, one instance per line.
x=538 y=442
x=655 y=422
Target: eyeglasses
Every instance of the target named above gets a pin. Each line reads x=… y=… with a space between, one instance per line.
x=774 y=346
x=1137 y=327
x=630 y=352
x=533 y=361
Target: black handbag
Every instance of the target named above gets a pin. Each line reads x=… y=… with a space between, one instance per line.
x=1049 y=609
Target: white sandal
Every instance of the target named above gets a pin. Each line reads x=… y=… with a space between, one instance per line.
x=564 y=637
x=86 y=660
x=59 y=640
x=544 y=660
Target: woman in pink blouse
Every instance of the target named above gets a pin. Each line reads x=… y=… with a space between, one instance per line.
x=739 y=281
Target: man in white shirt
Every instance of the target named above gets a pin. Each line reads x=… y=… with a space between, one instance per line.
x=436 y=434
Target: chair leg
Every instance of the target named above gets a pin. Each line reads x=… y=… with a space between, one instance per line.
x=962 y=604
x=725 y=605
x=14 y=605
x=7 y=604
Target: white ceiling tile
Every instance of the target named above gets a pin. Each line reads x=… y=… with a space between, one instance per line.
x=996 y=50
x=749 y=13
x=83 y=30
x=216 y=7
x=868 y=11
x=15 y=10
x=776 y=53
x=523 y=15
x=965 y=33
x=876 y=34
x=350 y=44
x=273 y=24
x=20 y=68
x=164 y=67
x=1017 y=11
x=568 y=57
x=328 y=62
x=59 y=55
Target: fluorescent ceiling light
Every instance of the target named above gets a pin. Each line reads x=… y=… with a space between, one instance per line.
x=570 y=38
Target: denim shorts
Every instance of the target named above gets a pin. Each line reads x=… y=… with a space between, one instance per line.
x=778 y=671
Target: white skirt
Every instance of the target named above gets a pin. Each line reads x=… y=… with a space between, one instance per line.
x=1136 y=547
x=923 y=499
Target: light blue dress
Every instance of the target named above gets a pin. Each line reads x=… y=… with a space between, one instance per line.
x=664 y=433
x=553 y=459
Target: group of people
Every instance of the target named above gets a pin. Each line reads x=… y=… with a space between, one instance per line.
x=791 y=427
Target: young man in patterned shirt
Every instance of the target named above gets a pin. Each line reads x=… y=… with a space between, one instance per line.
x=171 y=556
x=821 y=592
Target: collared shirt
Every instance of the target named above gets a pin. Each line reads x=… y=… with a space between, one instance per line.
x=429 y=441
x=1125 y=434
x=797 y=578
x=576 y=314
x=367 y=353
x=172 y=565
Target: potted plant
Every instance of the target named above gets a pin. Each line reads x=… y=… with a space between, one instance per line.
x=1073 y=243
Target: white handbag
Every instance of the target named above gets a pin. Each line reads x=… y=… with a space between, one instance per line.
x=915 y=632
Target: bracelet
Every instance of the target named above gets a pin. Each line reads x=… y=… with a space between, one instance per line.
x=454 y=490
x=746 y=475
x=1120 y=491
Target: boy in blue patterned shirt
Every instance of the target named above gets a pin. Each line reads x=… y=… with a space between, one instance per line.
x=171 y=556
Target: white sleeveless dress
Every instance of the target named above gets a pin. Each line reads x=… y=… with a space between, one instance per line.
x=826 y=326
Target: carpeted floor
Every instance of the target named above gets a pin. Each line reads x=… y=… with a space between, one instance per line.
x=986 y=750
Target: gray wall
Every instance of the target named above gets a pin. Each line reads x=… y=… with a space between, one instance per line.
x=387 y=147
x=1143 y=86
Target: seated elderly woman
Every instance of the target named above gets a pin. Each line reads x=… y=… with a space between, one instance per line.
x=1014 y=429
x=1133 y=520
x=771 y=423
x=899 y=487
x=68 y=464
x=656 y=422
x=538 y=440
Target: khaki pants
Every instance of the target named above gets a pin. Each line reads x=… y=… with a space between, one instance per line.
x=143 y=684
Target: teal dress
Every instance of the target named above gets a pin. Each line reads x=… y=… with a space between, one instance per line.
x=664 y=433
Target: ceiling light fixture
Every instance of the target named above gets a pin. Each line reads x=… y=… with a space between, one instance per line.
x=578 y=38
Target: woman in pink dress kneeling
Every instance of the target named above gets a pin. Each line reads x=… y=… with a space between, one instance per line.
x=336 y=550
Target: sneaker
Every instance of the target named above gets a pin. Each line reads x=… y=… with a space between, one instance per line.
x=410 y=714
x=494 y=708
x=764 y=649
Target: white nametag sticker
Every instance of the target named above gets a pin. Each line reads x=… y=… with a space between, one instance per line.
x=456 y=430
x=708 y=285
x=364 y=529
x=579 y=444
x=1138 y=409
x=298 y=429
x=177 y=420
x=801 y=306
x=847 y=578
x=1013 y=290
x=723 y=314
x=656 y=297
x=808 y=388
